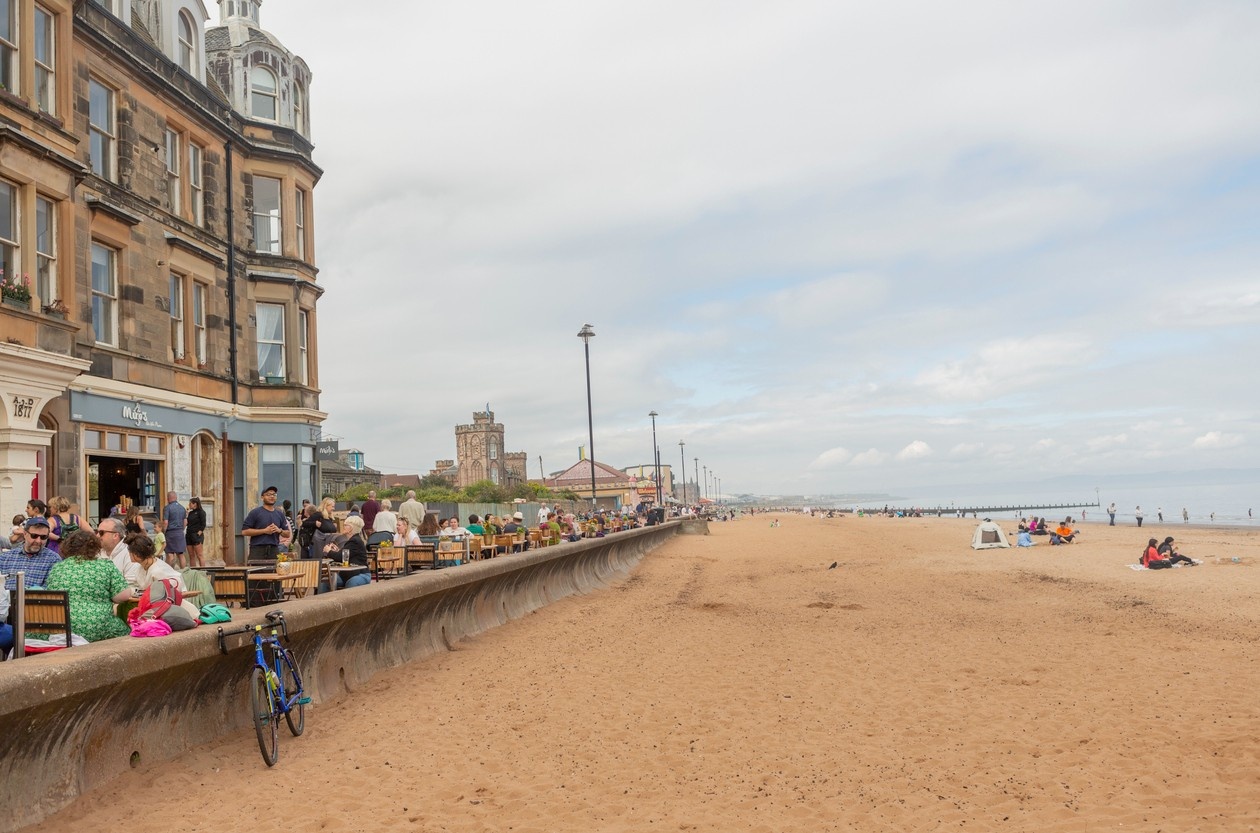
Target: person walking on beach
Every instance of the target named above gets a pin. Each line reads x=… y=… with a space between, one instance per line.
x=1160 y=514
x=1111 y=510
x=1137 y=513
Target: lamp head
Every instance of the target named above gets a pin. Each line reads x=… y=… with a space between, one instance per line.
x=586 y=333
x=653 y=414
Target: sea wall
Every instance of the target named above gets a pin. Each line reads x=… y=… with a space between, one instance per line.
x=73 y=720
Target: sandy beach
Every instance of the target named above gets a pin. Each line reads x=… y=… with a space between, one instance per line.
x=735 y=683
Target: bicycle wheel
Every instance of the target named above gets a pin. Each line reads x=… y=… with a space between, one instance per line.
x=293 y=694
x=262 y=703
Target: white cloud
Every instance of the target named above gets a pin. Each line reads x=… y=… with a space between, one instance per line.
x=831 y=459
x=870 y=457
x=965 y=451
x=915 y=451
x=1217 y=439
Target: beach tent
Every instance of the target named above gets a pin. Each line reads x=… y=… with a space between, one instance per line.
x=987 y=536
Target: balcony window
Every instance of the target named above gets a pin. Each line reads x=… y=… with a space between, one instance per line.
x=267 y=215
x=271 y=341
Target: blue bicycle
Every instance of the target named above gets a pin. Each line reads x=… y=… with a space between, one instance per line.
x=275 y=685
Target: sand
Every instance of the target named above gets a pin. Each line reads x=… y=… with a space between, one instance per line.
x=734 y=683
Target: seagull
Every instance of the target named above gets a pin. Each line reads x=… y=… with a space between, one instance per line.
x=834 y=565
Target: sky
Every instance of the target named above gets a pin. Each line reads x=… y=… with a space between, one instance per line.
x=838 y=246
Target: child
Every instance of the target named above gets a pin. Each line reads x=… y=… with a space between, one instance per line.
x=15 y=534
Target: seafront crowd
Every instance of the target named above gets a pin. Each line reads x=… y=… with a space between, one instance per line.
x=108 y=570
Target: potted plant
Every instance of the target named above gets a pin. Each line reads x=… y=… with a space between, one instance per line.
x=15 y=292
x=56 y=308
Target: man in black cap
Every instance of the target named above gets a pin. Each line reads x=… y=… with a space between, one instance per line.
x=267 y=529
x=31 y=556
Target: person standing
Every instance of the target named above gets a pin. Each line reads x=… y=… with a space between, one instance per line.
x=386 y=520
x=1137 y=513
x=412 y=510
x=1185 y=516
x=266 y=528
x=370 y=507
x=174 y=526
x=1159 y=513
x=195 y=532
x=1111 y=510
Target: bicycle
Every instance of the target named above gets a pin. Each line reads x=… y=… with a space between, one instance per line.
x=275 y=685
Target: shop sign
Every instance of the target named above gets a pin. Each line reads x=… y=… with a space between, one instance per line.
x=327 y=450
x=139 y=416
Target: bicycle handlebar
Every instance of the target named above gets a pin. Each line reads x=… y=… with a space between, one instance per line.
x=274 y=617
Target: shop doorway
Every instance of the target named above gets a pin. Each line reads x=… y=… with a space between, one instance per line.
x=111 y=479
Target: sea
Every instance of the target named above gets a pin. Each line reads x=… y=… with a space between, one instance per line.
x=1220 y=496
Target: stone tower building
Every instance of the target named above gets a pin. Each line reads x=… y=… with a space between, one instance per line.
x=480 y=455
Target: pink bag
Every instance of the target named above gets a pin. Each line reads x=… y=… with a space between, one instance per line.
x=150 y=627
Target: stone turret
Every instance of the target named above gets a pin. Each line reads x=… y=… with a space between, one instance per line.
x=264 y=81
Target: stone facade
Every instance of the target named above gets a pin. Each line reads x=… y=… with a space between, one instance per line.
x=480 y=455
x=133 y=171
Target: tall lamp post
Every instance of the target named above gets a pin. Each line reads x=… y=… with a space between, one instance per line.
x=682 y=469
x=656 y=457
x=697 y=464
x=705 y=493
x=586 y=334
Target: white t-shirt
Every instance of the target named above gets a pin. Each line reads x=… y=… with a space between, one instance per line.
x=161 y=570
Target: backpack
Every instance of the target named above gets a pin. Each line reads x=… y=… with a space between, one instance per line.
x=64 y=529
x=161 y=600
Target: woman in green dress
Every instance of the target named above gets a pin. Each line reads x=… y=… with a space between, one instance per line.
x=94 y=585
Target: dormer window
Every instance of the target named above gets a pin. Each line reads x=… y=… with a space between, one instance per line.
x=299 y=108
x=263 y=93
x=187 y=46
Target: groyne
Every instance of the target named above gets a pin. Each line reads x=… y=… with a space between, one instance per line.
x=75 y=719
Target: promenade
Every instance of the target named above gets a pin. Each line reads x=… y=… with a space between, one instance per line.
x=733 y=682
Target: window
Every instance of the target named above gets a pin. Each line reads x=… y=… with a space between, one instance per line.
x=199 y=322
x=45 y=62
x=299 y=108
x=196 y=189
x=46 y=250
x=104 y=294
x=267 y=215
x=271 y=341
x=172 y=170
x=263 y=93
x=177 y=316
x=10 y=265
x=101 y=128
x=303 y=360
x=8 y=46
x=186 y=48
x=300 y=221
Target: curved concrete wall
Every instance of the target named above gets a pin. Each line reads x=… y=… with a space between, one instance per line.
x=72 y=720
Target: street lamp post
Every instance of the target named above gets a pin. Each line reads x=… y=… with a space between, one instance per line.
x=682 y=469
x=656 y=457
x=705 y=493
x=586 y=334
x=697 y=464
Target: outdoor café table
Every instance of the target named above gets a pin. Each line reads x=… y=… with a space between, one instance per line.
x=335 y=568
x=271 y=592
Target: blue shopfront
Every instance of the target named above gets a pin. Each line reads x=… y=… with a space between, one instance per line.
x=134 y=451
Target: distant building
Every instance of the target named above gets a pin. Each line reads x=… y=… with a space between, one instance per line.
x=347 y=471
x=645 y=481
x=613 y=489
x=480 y=455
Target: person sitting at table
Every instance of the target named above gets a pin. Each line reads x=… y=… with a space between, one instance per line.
x=475 y=526
x=570 y=530
x=386 y=519
x=93 y=585
x=452 y=529
x=1167 y=550
x=352 y=544
x=321 y=527
x=429 y=526
x=404 y=535
x=144 y=555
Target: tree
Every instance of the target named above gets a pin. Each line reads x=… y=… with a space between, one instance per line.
x=436 y=481
x=484 y=491
x=532 y=492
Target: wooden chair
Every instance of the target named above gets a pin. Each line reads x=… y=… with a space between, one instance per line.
x=308 y=569
x=387 y=562
x=505 y=542
x=47 y=611
x=230 y=585
x=474 y=547
x=420 y=557
x=536 y=538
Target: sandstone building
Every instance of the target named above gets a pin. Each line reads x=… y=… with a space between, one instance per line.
x=156 y=182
